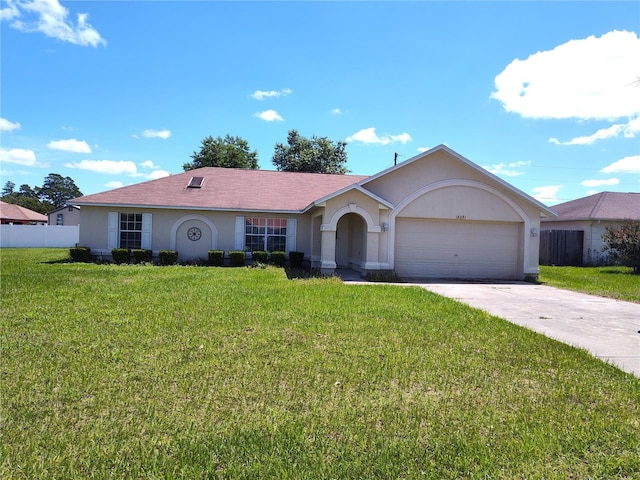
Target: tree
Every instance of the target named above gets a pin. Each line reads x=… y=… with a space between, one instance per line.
x=58 y=190
x=315 y=155
x=228 y=152
x=8 y=189
x=623 y=242
x=26 y=191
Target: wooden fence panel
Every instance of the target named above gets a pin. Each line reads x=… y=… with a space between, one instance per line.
x=561 y=247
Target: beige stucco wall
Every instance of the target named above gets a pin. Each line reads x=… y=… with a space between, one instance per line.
x=94 y=228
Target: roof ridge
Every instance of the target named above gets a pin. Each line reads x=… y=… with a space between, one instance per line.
x=596 y=206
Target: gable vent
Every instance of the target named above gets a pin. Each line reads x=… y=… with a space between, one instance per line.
x=195 y=182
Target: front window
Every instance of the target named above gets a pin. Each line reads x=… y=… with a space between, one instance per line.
x=268 y=234
x=130 y=230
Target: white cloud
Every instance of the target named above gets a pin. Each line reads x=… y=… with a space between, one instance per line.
x=625 y=165
x=158 y=174
x=548 y=194
x=9 y=12
x=603 y=133
x=336 y=111
x=269 y=116
x=51 y=19
x=19 y=156
x=628 y=130
x=262 y=94
x=600 y=183
x=7 y=126
x=113 y=184
x=369 y=136
x=148 y=164
x=112 y=167
x=70 y=145
x=149 y=133
x=507 y=169
x=591 y=78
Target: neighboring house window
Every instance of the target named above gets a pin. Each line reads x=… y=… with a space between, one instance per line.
x=71 y=209
x=130 y=230
x=268 y=234
x=59 y=219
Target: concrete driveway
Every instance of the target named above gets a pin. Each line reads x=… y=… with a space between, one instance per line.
x=608 y=329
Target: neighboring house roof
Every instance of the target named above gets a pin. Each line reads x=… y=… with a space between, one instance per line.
x=15 y=213
x=601 y=206
x=227 y=189
x=64 y=207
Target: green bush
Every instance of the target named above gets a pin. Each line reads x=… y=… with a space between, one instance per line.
x=216 y=257
x=120 y=255
x=278 y=258
x=295 y=259
x=80 y=254
x=236 y=258
x=142 y=255
x=168 y=257
x=260 y=256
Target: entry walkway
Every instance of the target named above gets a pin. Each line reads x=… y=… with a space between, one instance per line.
x=608 y=329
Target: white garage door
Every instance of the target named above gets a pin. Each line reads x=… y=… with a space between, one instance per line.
x=431 y=248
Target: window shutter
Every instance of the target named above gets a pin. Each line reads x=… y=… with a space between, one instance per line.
x=292 y=228
x=239 y=243
x=146 y=231
x=112 y=230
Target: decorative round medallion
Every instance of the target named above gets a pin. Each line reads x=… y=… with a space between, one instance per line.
x=194 y=234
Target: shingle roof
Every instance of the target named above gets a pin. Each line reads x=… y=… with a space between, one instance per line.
x=16 y=213
x=227 y=189
x=601 y=206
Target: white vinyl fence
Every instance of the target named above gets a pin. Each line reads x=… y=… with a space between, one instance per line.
x=37 y=236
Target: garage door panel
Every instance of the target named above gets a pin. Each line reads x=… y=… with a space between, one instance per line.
x=456 y=249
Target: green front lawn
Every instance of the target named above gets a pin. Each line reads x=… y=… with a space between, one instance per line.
x=203 y=372
x=612 y=282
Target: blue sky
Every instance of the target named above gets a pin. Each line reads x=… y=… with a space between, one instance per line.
x=546 y=95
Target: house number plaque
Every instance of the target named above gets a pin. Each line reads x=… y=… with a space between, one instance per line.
x=194 y=234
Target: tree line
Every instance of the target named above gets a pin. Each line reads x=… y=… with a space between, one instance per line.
x=55 y=192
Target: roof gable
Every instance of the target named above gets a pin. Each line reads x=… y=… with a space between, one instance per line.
x=544 y=210
x=601 y=206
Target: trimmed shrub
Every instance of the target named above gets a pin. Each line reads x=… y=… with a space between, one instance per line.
x=295 y=259
x=167 y=257
x=120 y=255
x=236 y=258
x=278 y=258
x=260 y=256
x=216 y=257
x=142 y=255
x=80 y=254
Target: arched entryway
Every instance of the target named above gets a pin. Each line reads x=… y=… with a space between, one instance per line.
x=351 y=242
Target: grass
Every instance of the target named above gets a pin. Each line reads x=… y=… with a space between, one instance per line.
x=203 y=372
x=613 y=282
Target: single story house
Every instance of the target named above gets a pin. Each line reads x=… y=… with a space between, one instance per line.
x=68 y=215
x=11 y=214
x=588 y=217
x=434 y=215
